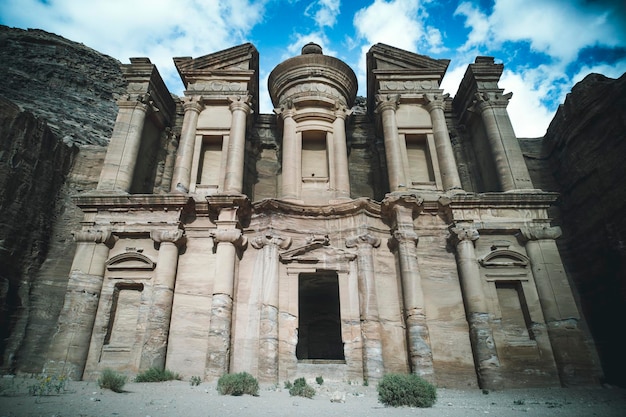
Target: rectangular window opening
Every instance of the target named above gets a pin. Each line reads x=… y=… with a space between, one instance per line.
x=516 y=321
x=210 y=161
x=420 y=163
x=314 y=155
x=122 y=326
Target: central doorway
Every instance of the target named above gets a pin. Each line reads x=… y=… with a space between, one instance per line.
x=319 y=334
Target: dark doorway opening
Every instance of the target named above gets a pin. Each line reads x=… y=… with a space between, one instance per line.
x=319 y=334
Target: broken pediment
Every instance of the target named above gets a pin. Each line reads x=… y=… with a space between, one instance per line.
x=238 y=59
x=383 y=57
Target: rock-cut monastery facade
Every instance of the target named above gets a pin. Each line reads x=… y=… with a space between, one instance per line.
x=340 y=236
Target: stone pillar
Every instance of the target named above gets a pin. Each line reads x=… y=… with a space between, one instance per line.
x=340 y=153
x=291 y=154
x=227 y=239
x=233 y=179
x=121 y=157
x=572 y=353
x=418 y=339
x=481 y=334
x=158 y=326
x=268 y=338
x=181 y=178
x=445 y=155
x=371 y=330
x=509 y=161
x=386 y=106
x=70 y=344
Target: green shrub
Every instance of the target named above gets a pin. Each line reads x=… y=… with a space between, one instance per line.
x=288 y=385
x=301 y=389
x=399 y=389
x=319 y=380
x=48 y=385
x=156 y=375
x=238 y=384
x=112 y=380
x=195 y=381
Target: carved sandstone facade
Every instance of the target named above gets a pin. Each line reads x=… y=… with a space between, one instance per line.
x=327 y=239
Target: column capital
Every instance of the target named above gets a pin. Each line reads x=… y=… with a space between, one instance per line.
x=463 y=233
x=435 y=101
x=342 y=111
x=387 y=102
x=94 y=236
x=404 y=237
x=240 y=103
x=167 y=235
x=193 y=103
x=259 y=242
x=364 y=239
x=233 y=236
x=485 y=100
x=540 y=232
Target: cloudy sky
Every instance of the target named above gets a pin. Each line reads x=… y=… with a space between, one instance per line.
x=546 y=45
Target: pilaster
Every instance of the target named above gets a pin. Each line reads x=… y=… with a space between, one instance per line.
x=291 y=153
x=181 y=177
x=340 y=154
x=386 y=106
x=240 y=108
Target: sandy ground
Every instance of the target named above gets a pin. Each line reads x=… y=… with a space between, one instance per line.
x=179 y=398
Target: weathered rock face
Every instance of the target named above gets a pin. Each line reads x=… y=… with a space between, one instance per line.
x=70 y=89
x=584 y=149
x=70 y=85
x=33 y=167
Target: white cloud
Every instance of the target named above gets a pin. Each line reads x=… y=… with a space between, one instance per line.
x=612 y=71
x=159 y=30
x=324 y=12
x=558 y=28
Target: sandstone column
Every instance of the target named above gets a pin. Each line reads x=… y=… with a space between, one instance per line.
x=445 y=154
x=121 y=157
x=481 y=335
x=418 y=339
x=227 y=239
x=181 y=178
x=340 y=153
x=268 y=343
x=387 y=106
x=157 y=331
x=291 y=150
x=233 y=180
x=371 y=330
x=509 y=161
x=572 y=354
x=70 y=344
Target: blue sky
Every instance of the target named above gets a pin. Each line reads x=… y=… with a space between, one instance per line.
x=546 y=45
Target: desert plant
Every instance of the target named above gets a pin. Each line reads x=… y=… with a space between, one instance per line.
x=156 y=375
x=238 y=384
x=195 y=381
x=288 y=384
x=48 y=384
x=319 y=380
x=301 y=389
x=112 y=380
x=400 y=389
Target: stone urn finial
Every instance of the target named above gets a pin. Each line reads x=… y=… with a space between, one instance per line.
x=311 y=48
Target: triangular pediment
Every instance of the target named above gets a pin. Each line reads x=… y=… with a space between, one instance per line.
x=241 y=58
x=385 y=57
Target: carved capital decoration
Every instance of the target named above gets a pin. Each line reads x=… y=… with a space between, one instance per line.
x=342 y=111
x=364 y=239
x=461 y=233
x=233 y=236
x=193 y=103
x=435 y=102
x=403 y=237
x=259 y=242
x=94 y=236
x=487 y=100
x=240 y=103
x=165 y=235
x=540 y=232
x=387 y=102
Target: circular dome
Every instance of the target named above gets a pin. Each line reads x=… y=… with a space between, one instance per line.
x=313 y=78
